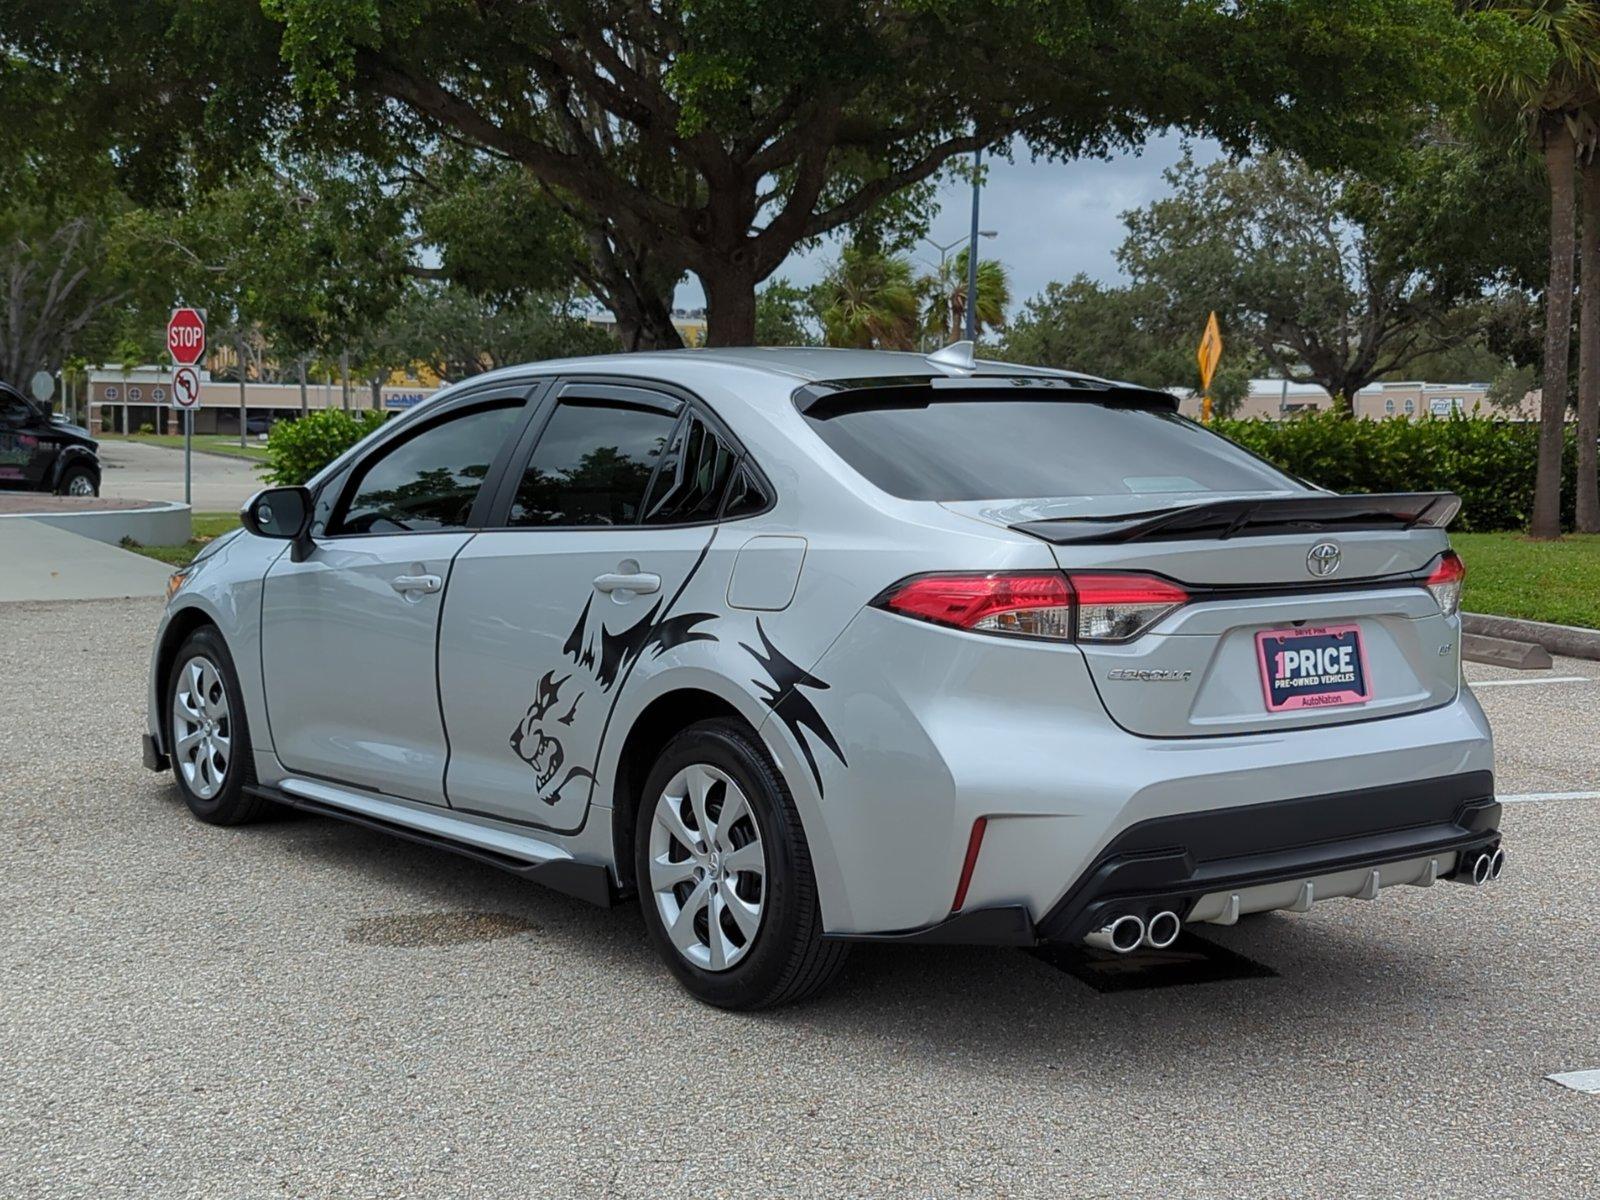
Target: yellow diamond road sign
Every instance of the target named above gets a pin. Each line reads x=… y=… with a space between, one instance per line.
x=1210 y=352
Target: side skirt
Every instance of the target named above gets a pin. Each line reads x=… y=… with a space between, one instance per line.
x=515 y=852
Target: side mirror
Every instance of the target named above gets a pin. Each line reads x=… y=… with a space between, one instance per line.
x=280 y=512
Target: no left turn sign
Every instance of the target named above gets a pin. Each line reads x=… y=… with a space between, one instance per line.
x=185 y=388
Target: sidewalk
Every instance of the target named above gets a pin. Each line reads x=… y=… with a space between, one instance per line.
x=40 y=562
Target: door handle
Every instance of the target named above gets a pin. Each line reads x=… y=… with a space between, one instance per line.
x=642 y=582
x=407 y=584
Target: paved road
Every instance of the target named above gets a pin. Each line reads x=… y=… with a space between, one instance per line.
x=156 y=473
x=304 y=1008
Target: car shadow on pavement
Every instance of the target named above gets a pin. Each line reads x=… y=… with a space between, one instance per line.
x=1004 y=1008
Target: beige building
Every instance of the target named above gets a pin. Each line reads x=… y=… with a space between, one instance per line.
x=1275 y=399
x=140 y=401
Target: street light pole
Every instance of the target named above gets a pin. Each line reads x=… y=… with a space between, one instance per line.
x=972 y=252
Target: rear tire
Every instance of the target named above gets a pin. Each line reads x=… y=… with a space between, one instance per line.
x=754 y=861
x=207 y=735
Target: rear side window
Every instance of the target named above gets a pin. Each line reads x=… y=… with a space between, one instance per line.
x=429 y=481
x=592 y=465
x=1011 y=447
x=693 y=477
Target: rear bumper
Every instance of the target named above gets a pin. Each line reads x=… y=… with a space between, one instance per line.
x=1173 y=862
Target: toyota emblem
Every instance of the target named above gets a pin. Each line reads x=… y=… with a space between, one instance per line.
x=1323 y=559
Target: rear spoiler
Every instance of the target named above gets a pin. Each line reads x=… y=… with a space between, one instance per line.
x=1220 y=520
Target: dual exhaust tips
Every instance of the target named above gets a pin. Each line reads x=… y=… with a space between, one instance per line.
x=1127 y=933
x=1480 y=867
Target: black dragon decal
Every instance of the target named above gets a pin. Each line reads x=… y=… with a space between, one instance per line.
x=536 y=745
x=607 y=658
x=784 y=698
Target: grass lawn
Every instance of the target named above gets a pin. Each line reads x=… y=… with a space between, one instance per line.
x=204 y=527
x=211 y=443
x=1509 y=576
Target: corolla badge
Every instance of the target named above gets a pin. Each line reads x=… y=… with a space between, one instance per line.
x=1323 y=559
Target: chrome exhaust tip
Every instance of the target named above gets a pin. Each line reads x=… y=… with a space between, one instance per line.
x=1122 y=936
x=1473 y=868
x=1162 y=930
x=1497 y=863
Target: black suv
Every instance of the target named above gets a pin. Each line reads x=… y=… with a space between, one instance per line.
x=41 y=453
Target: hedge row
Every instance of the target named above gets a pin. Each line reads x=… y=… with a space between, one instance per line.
x=1488 y=462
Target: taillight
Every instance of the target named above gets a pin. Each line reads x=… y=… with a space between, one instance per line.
x=1445 y=582
x=1114 y=608
x=1086 y=608
x=1027 y=603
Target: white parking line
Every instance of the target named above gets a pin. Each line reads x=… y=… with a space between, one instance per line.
x=1535 y=797
x=1532 y=682
x=1578 y=1081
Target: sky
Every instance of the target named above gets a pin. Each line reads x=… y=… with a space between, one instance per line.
x=1053 y=219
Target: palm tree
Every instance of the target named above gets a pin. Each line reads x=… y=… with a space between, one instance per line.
x=1555 y=99
x=946 y=297
x=1588 y=482
x=869 y=300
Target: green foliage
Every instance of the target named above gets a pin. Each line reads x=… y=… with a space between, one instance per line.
x=869 y=300
x=1302 y=264
x=456 y=333
x=1489 y=463
x=785 y=315
x=946 y=298
x=1127 y=333
x=298 y=449
x=718 y=135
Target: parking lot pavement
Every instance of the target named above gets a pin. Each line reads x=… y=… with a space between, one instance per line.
x=144 y=472
x=305 y=1008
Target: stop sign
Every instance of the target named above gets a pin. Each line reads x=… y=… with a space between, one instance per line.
x=186 y=336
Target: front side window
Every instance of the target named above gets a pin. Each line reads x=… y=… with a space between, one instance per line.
x=430 y=481
x=592 y=465
x=14 y=413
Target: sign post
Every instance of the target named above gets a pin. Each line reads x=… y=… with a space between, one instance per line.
x=186 y=342
x=1209 y=353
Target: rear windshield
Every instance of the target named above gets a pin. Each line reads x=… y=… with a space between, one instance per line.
x=1012 y=447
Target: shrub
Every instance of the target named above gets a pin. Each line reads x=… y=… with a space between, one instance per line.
x=298 y=449
x=1487 y=461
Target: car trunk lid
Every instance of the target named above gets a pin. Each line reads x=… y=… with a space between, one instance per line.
x=1257 y=570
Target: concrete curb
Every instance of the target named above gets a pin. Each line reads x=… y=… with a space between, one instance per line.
x=1500 y=652
x=1569 y=640
x=158 y=523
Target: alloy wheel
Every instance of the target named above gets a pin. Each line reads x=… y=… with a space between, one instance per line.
x=202 y=729
x=708 y=868
x=80 y=485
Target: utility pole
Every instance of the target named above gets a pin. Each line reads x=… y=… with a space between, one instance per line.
x=344 y=377
x=304 y=407
x=972 y=251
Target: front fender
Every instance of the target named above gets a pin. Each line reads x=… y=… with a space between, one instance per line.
x=223 y=589
x=69 y=456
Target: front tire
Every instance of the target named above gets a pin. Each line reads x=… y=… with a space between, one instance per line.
x=207 y=736
x=77 y=481
x=724 y=874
